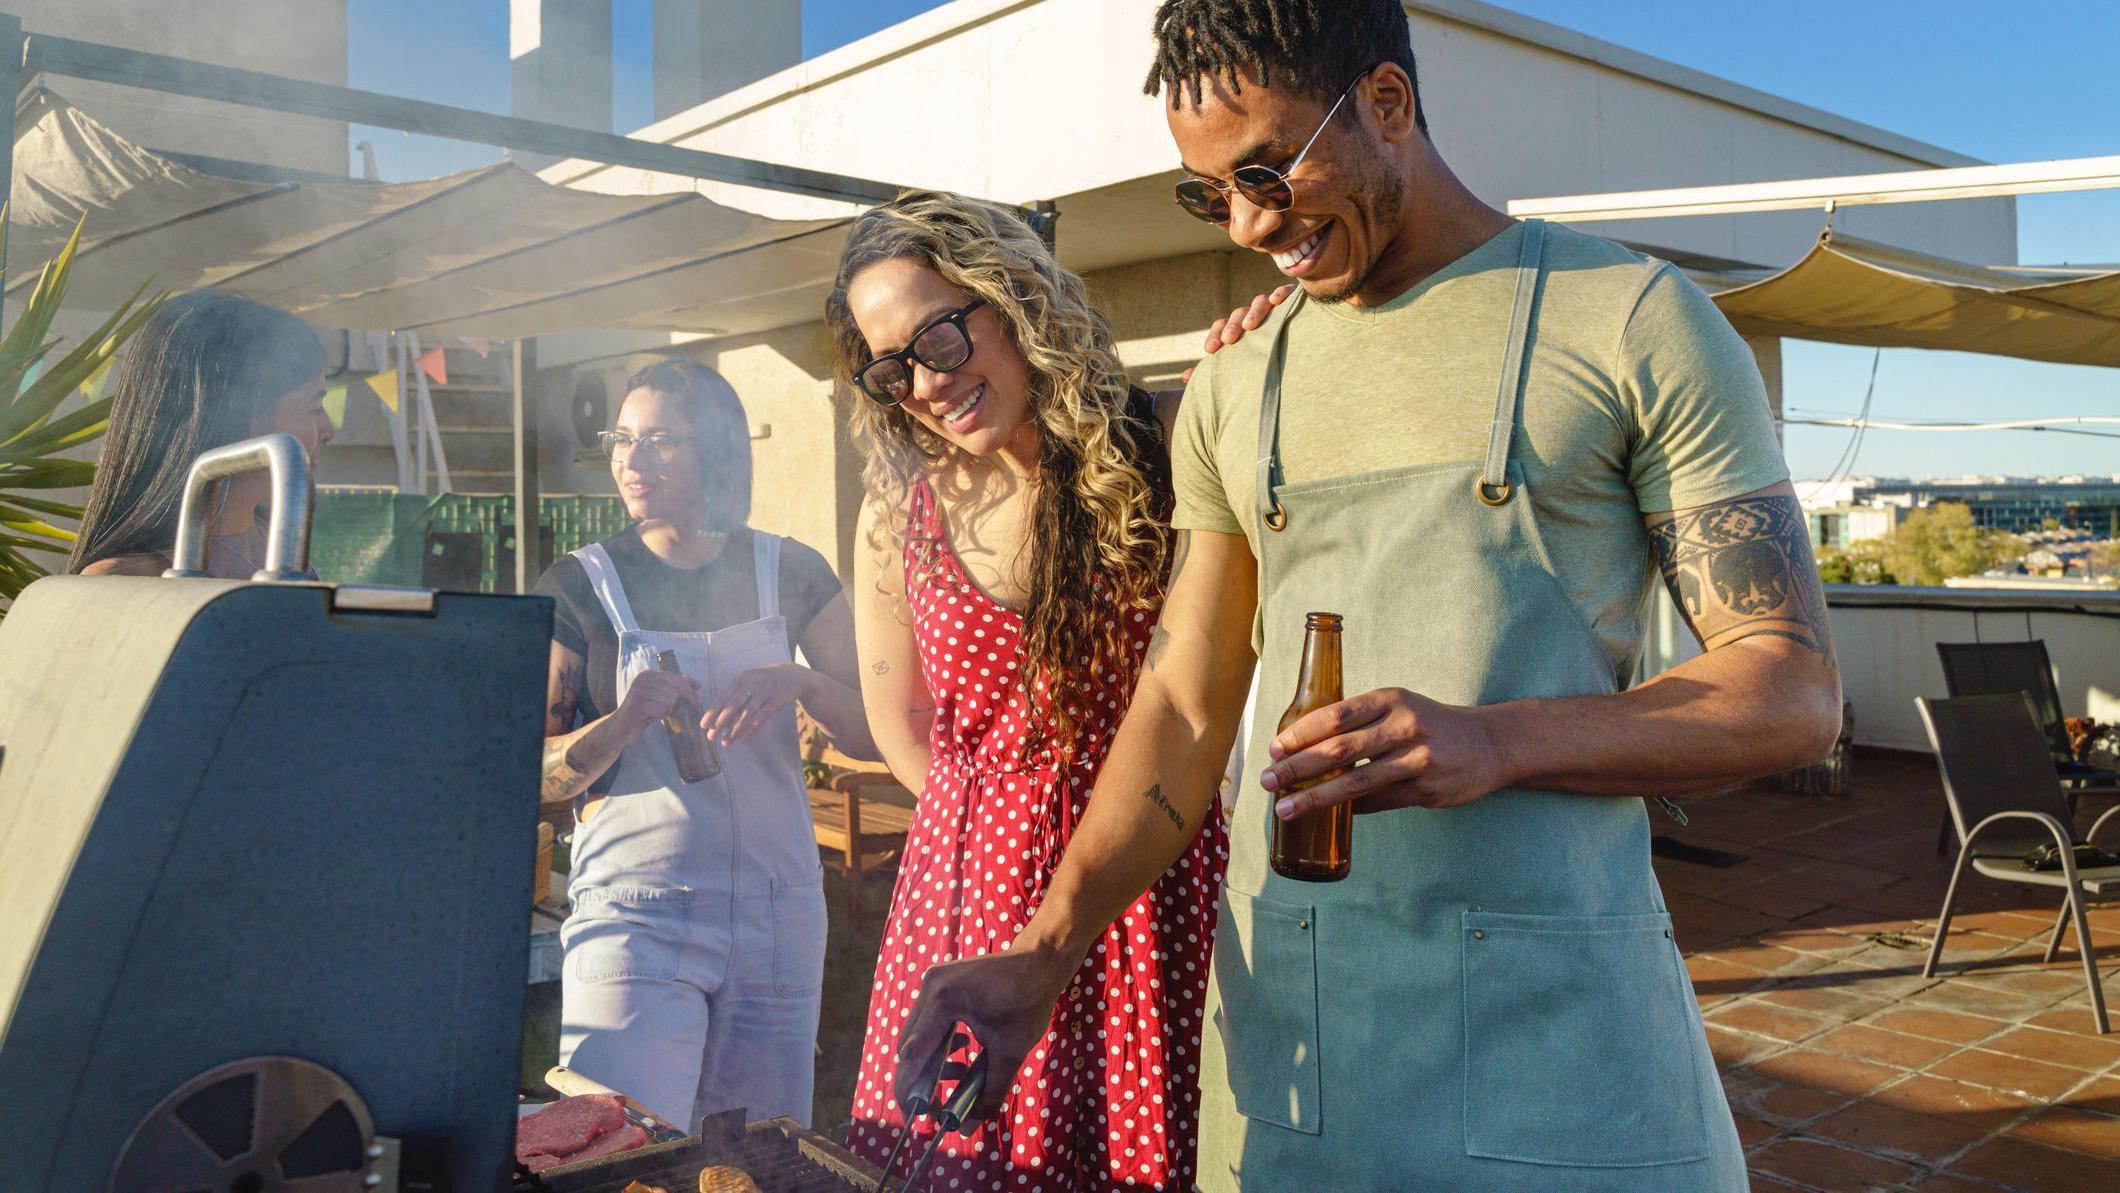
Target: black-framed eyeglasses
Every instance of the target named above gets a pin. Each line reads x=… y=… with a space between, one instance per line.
x=942 y=344
x=658 y=445
x=1263 y=186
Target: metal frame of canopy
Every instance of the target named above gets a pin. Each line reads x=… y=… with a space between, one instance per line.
x=24 y=56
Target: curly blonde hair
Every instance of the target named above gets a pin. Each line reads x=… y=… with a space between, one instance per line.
x=1100 y=540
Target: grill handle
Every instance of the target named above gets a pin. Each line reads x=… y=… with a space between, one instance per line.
x=287 y=526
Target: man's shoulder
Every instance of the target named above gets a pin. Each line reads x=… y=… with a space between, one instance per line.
x=1237 y=369
x=1593 y=264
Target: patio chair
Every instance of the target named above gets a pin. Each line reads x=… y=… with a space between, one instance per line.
x=2006 y=801
x=1999 y=668
x=857 y=808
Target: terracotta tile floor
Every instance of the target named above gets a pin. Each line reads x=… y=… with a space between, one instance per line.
x=1845 y=1067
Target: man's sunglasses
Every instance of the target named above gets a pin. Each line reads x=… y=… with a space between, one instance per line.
x=1263 y=186
x=942 y=345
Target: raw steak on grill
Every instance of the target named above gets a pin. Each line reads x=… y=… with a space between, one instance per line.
x=625 y=1139
x=567 y=1126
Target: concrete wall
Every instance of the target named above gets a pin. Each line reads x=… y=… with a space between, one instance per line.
x=705 y=48
x=1888 y=655
x=302 y=39
x=1885 y=638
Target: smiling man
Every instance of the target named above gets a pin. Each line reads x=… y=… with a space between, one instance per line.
x=1478 y=440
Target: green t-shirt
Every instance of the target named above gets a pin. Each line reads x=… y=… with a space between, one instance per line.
x=1639 y=398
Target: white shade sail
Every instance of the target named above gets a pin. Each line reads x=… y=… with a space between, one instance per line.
x=492 y=252
x=1851 y=291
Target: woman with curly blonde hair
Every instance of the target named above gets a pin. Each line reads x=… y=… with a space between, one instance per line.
x=1017 y=498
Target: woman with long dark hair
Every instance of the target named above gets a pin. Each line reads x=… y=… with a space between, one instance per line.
x=206 y=370
x=1018 y=498
x=695 y=951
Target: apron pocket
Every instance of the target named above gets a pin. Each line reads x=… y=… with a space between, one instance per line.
x=798 y=935
x=1579 y=1049
x=626 y=932
x=1266 y=964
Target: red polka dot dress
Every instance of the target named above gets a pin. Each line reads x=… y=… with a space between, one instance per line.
x=1108 y=1100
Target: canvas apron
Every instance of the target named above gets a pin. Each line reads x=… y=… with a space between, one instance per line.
x=1492 y=999
x=695 y=949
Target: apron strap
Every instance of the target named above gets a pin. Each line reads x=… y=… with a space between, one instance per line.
x=1268 y=478
x=765 y=559
x=1494 y=487
x=603 y=577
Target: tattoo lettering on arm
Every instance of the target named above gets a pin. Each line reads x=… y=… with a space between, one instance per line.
x=1744 y=567
x=1155 y=796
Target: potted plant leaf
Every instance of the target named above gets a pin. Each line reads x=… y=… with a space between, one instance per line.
x=36 y=441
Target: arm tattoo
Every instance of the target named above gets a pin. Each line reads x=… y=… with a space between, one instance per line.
x=561 y=711
x=562 y=781
x=1744 y=567
x=1155 y=796
x=881 y=667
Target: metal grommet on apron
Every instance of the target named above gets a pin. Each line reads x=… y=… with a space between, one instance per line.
x=1443 y=1017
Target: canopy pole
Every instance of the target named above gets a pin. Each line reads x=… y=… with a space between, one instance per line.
x=11 y=51
x=526 y=478
x=301 y=97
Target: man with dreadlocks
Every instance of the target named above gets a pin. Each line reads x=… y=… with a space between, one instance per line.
x=1473 y=437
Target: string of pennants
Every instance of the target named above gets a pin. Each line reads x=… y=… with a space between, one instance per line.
x=384 y=385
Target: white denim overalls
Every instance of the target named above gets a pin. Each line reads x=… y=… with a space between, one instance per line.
x=695 y=950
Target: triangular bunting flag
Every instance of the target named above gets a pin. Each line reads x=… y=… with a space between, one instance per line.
x=476 y=344
x=335 y=405
x=432 y=364
x=385 y=385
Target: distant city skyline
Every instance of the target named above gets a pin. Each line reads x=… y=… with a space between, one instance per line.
x=2024 y=83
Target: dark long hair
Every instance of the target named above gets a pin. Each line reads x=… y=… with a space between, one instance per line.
x=721 y=435
x=199 y=374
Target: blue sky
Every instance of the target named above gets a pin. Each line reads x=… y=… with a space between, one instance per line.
x=1999 y=82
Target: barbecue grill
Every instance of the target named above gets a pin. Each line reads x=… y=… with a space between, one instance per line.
x=264 y=854
x=779 y=1155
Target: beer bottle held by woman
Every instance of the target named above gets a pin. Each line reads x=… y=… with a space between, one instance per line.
x=1317 y=846
x=697 y=759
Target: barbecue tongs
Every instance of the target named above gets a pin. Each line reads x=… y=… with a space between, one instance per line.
x=951 y=1115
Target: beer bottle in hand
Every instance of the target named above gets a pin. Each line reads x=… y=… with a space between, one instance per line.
x=697 y=759
x=1318 y=846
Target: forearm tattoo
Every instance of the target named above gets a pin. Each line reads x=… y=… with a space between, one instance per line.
x=1156 y=797
x=562 y=780
x=1744 y=567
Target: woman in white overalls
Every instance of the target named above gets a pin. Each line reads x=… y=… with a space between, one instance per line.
x=695 y=950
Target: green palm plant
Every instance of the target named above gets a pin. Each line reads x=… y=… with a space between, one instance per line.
x=31 y=438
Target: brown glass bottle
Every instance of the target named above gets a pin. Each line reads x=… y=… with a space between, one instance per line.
x=1319 y=846
x=697 y=759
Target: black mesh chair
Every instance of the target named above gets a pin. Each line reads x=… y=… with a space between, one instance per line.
x=2000 y=668
x=2005 y=801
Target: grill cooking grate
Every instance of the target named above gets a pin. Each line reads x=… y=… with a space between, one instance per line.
x=778 y=1154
